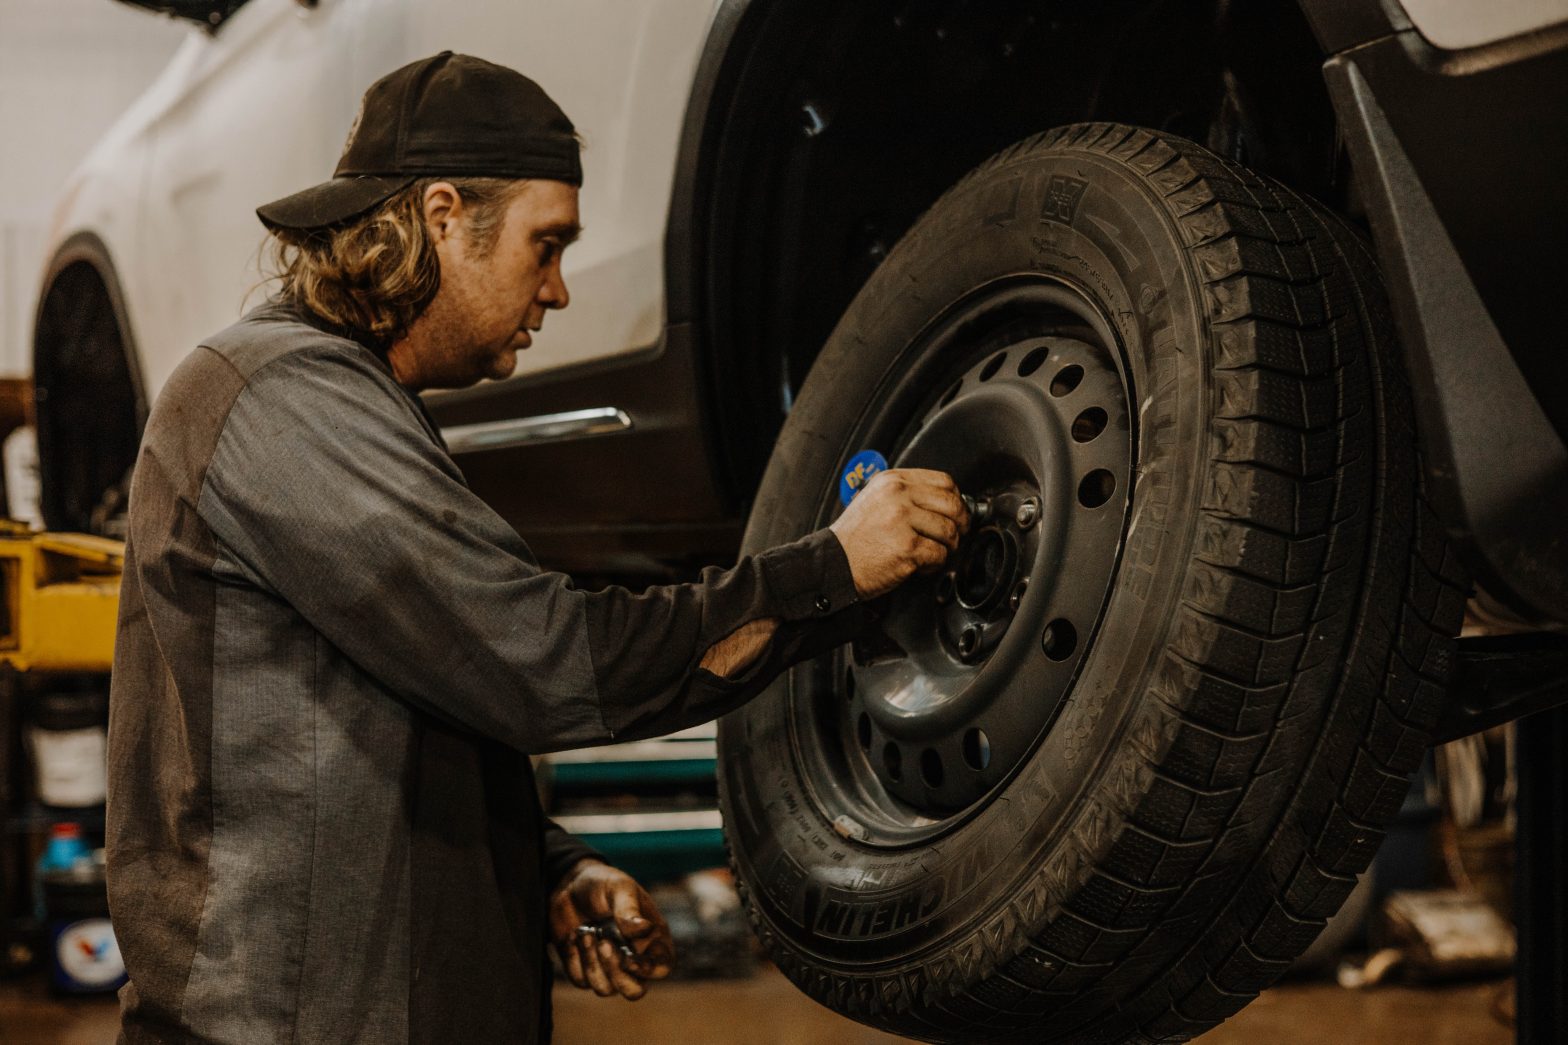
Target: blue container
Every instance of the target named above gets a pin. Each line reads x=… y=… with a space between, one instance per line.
x=64 y=850
x=84 y=957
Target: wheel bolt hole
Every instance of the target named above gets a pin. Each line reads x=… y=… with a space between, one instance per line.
x=990 y=369
x=1066 y=380
x=863 y=731
x=893 y=761
x=968 y=641
x=1060 y=639
x=1016 y=599
x=931 y=768
x=1032 y=362
x=1096 y=488
x=977 y=749
x=1089 y=424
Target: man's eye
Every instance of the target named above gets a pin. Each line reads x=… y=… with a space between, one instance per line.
x=548 y=252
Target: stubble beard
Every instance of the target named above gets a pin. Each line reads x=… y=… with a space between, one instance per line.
x=458 y=355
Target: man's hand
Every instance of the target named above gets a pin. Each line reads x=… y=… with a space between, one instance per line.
x=593 y=891
x=903 y=521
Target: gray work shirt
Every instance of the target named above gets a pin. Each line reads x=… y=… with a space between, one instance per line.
x=333 y=661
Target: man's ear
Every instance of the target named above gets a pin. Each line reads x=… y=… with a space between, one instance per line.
x=443 y=207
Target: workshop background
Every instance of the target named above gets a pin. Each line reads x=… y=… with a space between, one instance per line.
x=1378 y=975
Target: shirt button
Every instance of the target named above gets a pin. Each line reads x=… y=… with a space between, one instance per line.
x=824 y=604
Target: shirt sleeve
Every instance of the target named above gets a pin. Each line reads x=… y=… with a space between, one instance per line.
x=562 y=851
x=326 y=490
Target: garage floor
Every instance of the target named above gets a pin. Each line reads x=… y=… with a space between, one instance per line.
x=767 y=1010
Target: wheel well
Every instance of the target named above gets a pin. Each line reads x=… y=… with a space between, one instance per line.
x=87 y=391
x=825 y=133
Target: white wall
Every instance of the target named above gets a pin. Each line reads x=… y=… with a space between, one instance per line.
x=67 y=69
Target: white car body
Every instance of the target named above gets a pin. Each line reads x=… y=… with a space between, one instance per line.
x=260 y=109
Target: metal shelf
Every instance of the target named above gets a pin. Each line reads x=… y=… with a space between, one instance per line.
x=37 y=817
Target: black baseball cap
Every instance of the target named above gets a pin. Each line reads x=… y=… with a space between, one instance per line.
x=447 y=116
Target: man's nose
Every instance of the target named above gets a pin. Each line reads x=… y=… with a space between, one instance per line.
x=553 y=292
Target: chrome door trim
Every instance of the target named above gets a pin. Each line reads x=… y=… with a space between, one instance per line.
x=623 y=823
x=542 y=428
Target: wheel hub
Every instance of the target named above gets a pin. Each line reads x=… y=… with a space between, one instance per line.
x=975 y=597
x=986 y=568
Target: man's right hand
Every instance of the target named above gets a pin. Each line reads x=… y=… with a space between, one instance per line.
x=904 y=520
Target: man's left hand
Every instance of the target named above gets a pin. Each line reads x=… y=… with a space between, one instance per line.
x=591 y=892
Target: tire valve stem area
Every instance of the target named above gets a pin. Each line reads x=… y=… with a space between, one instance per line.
x=848 y=828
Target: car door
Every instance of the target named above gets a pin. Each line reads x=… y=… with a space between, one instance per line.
x=595 y=449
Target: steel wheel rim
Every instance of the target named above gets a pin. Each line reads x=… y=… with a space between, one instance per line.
x=1020 y=391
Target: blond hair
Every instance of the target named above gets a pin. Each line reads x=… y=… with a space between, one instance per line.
x=374 y=275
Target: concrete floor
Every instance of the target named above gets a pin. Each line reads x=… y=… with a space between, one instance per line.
x=767 y=1010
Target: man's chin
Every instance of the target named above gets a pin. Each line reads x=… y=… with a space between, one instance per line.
x=502 y=364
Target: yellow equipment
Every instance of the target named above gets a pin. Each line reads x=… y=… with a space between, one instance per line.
x=62 y=595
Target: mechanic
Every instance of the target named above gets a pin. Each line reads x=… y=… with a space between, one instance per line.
x=334 y=660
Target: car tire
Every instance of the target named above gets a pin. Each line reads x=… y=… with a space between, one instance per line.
x=981 y=823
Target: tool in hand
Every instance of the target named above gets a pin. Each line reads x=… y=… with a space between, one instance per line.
x=861 y=467
x=608 y=929
x=979 y=509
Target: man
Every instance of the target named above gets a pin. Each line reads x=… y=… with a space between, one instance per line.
x=333 y=660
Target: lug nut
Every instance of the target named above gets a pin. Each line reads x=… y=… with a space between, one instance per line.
x=968 y=641
x=946 y=585
x=1028 y=513
x=979 y=509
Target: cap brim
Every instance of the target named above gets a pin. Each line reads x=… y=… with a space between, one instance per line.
x=331 y=202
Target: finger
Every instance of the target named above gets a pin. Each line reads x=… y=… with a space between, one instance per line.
x=574 y=966
x=946 y=503
x=927 y=554
x=935 y=527
x=656 y=956
x=936 y=499
x=598 y=979
x=564 y=918
x=631 y=987
x=886 y=484
x=925 y=477
x=622 y=978
x=598 y=901
x=629 y=903
x=656 y=947
x=572 y=962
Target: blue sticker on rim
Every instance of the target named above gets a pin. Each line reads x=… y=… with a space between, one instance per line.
x=857 y=473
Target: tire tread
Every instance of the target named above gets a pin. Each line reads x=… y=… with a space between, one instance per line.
x=1296 y=590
